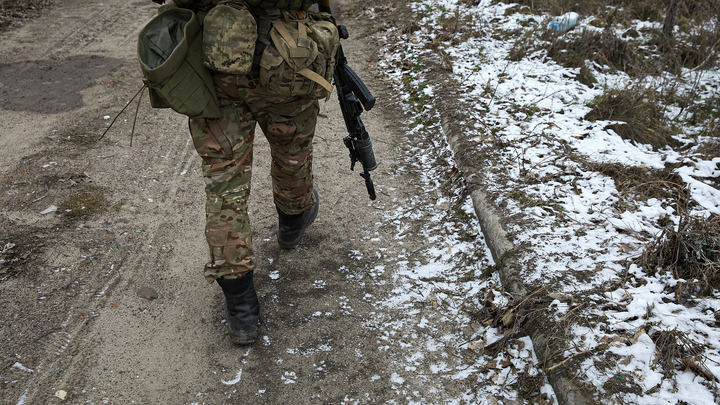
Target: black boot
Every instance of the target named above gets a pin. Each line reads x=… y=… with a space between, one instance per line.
x=292 y=227
x=242 y=308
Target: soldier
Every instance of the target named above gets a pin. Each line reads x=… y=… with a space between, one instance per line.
x=286 y=115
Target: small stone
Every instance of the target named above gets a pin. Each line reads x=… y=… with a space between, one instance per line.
x=61 y=394
x=127 y=207
x=476 y=345
x=147 y=293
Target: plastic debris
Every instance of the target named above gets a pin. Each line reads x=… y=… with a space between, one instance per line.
x=564 y=22
x=49 y=209
x=19 y=366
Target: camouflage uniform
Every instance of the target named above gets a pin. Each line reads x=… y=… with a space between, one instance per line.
x=225 y=146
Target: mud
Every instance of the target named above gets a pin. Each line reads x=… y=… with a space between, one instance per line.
x=51 y=86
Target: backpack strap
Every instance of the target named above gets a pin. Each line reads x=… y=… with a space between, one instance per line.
x=316 y=78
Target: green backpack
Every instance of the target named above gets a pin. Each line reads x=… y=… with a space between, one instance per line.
x=170 y=55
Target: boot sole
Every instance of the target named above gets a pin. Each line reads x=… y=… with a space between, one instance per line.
x=243 y=338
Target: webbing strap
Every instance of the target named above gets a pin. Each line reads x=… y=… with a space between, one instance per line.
x=280 y=27
x=316 y=78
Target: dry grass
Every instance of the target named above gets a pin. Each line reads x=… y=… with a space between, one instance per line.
x=603 y=48
x=696 y=45
x=643 y=119
x=711 y=148
x=532 y=316
x=706 y=114
x=677 y=350
x=641 y=183
x=84 y=202
x=690 y=253
x=621 y=10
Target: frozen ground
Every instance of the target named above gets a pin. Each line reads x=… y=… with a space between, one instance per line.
x=578 y=234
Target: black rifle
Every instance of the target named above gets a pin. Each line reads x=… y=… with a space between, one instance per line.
x=354 y=96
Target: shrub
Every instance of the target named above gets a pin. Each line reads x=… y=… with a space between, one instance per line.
x=691 y=253
x=642 y=118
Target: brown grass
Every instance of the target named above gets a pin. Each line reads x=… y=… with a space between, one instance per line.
x=85 y=202
x=707 y=114
x=643 y=120
x=710 y=149
x=690 y=253
x=697 y=46
x=622 y=10
x=643 y=183
x=677 y=350
x=603 y=48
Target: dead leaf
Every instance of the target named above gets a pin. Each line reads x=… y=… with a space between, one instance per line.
x=637 y=336
x=695 y=364
x=508 y=319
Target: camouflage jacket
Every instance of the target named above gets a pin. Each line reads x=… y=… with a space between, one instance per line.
x=279 y=4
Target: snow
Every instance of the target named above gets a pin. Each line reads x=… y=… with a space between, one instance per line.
x=235 y=380
x=580 y=220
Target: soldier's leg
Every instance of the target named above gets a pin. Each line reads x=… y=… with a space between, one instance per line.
x=225 y=146
x=290 y=139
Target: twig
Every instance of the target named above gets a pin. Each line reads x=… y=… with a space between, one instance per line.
x=487 y=366
x=121 y=111
x=566 y=360
x=137 y=108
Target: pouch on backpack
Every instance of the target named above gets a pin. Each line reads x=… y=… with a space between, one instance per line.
x=169 y=55
x=281 y=4
x=325 y=34
x=229 y=35
x=297 y=61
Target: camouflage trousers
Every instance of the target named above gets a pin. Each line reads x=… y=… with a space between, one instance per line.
x=226 y=148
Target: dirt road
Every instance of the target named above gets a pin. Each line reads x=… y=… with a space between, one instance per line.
x=131 y=216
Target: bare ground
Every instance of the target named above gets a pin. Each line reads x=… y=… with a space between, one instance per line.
x=131 y=216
